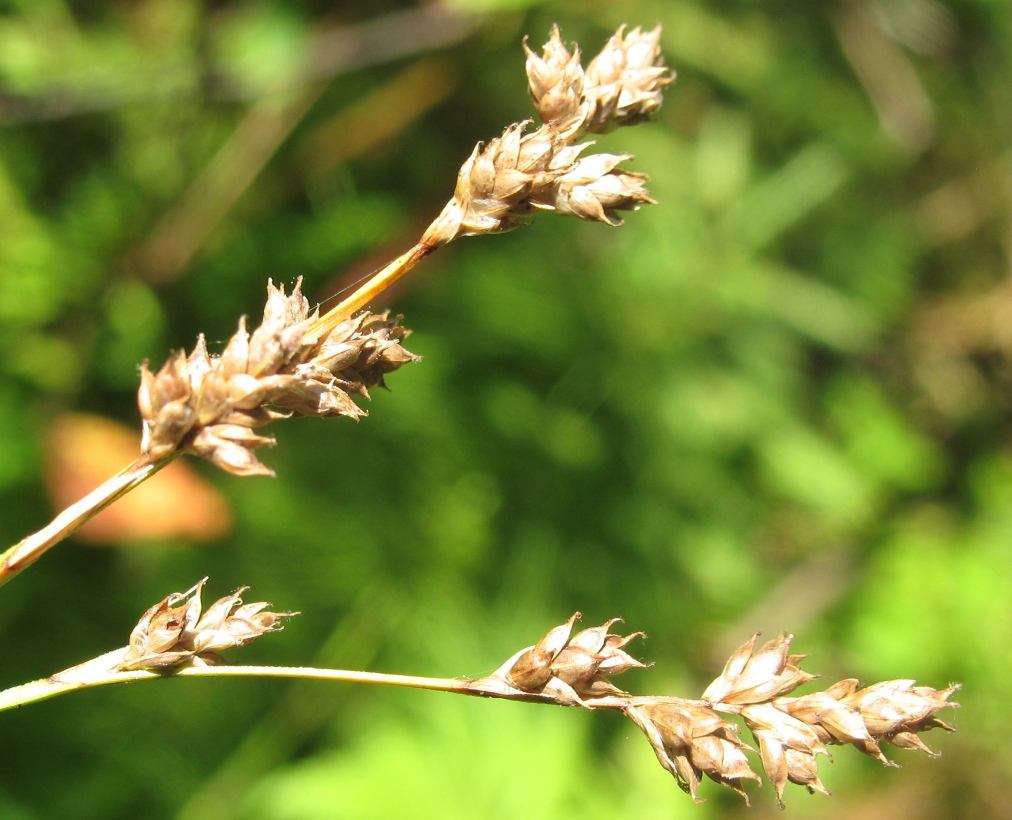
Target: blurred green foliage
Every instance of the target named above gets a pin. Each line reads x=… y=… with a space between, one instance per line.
x=777 y=400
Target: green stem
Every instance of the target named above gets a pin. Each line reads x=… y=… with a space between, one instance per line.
x=27 y=551
x=71 y=680
x=101 y=671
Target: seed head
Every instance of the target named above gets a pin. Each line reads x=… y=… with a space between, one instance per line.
x=593 y=188
x=518 y=173
x=897 y=707
x=787 y=748
x=623 y=85
x=894 y=711
x=625 y=81
x=571 y=669
x=174 y=633
x=556 y=86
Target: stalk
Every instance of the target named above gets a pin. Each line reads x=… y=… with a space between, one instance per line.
x=27 y=551
x=179 y=637
x=55 y=685
x=375 y=285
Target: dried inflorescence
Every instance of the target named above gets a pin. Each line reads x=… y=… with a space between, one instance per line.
x=621 y=86
x=691 y=739
x=757 y=677
x=893 y=711
x=569 y=669
x=793 y=732
x=295 y=363
x=210 y=405
x=788 y=747
x=519 y=173
x=178 y=632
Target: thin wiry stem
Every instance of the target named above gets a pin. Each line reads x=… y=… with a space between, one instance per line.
x=27 y=551
x=375 y=285
x=51 y=687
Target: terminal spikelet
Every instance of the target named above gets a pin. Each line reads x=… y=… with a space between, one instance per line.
x=521 y=172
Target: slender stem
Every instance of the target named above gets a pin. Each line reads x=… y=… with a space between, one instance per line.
x=68 y=681
x=376 y=284
x=29 y=550
x=340 y=675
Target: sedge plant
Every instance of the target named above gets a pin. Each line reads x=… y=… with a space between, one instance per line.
x=301 y=362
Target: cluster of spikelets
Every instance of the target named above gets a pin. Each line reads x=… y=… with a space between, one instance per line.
x=520 y=173
x=296 y=363
x=210 y=405
x=689 y=737
x=570 y=669
x=178 y=630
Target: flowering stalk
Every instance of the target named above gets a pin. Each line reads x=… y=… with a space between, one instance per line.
x=520 y=173
x=177 y=637
x=210 y=405
x=299 y=363
x=51 y=687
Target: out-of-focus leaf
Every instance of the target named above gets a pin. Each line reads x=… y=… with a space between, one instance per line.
x=880 y=440
x=809 y=470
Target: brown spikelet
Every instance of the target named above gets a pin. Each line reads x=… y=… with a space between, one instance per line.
x=176 y=632
x=752 y=676
x=787 y=748
x=570 y=669
x=894 y=711
x=690 y=739
x=556 y=84
x=518 y=173
x=209 y=405
x=625 y=81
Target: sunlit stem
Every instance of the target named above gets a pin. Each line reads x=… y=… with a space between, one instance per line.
x=376 y=284
x=73 y=680
x=30 y=549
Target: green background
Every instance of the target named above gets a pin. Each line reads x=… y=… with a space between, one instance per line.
x=778 y=400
